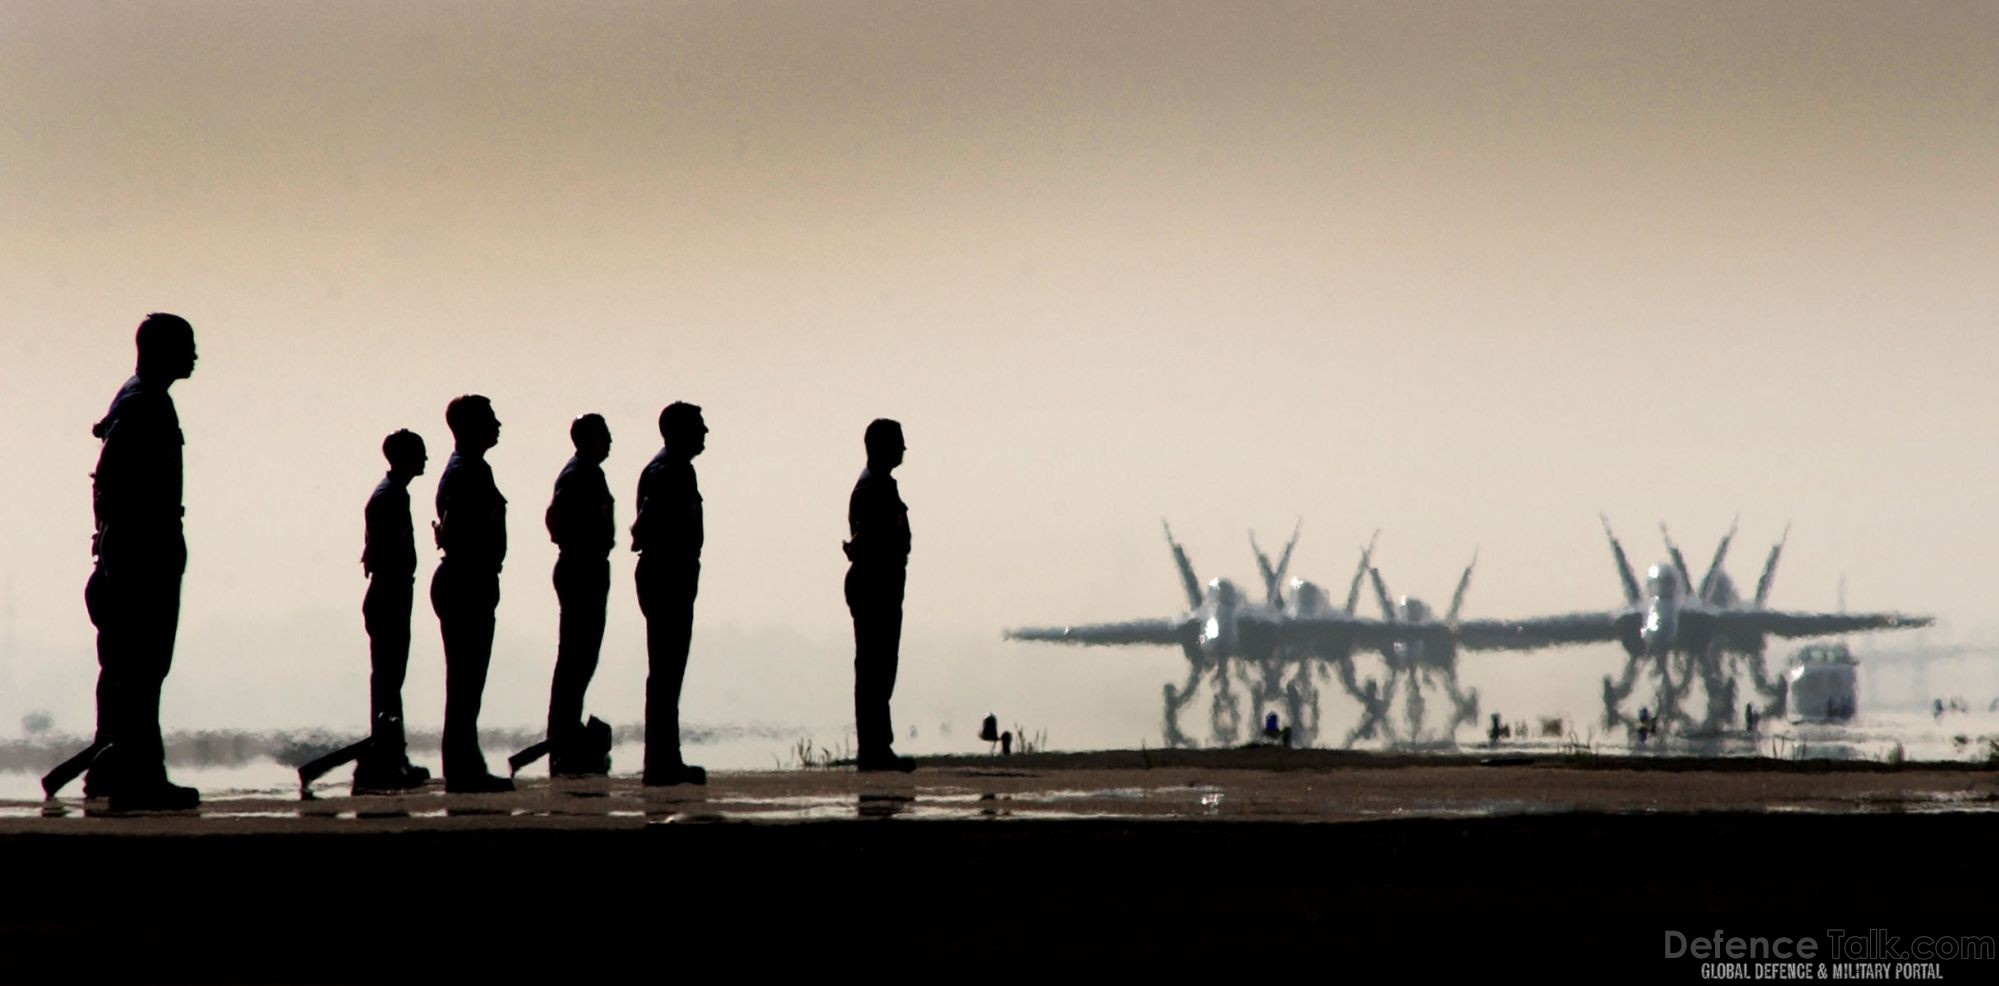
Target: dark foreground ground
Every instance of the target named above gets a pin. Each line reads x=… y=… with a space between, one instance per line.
x=1556 y=870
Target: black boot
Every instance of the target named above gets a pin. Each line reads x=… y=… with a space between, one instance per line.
x=584 y=751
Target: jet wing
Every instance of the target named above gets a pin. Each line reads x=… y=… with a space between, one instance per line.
x=1542 y=631
x=1753 y=622
x=1168 y=633
x=1339 y=632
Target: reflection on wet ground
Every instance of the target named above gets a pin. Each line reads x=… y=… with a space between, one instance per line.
x=1248 y=785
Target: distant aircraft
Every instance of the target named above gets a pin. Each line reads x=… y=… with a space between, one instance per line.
x=1679 y=628
x=1224 y=632
x=1427 y=658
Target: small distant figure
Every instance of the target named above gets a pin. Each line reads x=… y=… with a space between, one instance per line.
x=1006 y=744
x=1274 y=732
x=989 y=730
x=134 y=591
x=1496 y=731
x=1646 y=725
x=1750 y=717
x=1937 y=708
x=471 y=527
x=581 y=521
x=878 y=555
x=388 y=558
x=667 y=533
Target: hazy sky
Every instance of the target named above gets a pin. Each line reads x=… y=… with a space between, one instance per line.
x=1466 y=272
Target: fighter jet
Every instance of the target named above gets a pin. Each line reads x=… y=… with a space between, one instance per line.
x=1672 y=615
x=1428 y=658
x=1222 y=630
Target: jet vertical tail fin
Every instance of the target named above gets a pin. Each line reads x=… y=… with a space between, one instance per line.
x=1187 y=577
x=1631 y=594
x=1284 y=560
x=1770 y=568
x=1381 y=593
x=1273 y=575
x=1708 y=581
x=1269 y=571
x=1458 y=597
x=1366 y=562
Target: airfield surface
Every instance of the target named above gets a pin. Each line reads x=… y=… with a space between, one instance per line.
x=1439 y=863
x=1255 y=784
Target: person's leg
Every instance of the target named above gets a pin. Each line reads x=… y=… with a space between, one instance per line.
x=582 y=587
x=461 y=739
x=871 y=726
x=146 y=656
x=157 y=613
x=669 y=632
x=386 y=613
x=107 y=615
x=890 y=615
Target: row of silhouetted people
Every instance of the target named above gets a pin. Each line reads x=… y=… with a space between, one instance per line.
x=134 y=589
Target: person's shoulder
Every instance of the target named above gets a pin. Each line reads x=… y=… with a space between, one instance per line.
x=874 y=485
x=135 y=405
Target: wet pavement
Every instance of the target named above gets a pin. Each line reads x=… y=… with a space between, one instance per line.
x=1245 y=785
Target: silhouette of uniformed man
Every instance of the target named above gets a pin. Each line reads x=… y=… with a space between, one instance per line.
x=389 y=559
x=134 y=592
x=667 y=535
x=878 y=553
x=580 y=522
x=471 y=527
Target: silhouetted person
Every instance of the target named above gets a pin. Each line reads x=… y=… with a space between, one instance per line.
x=667 y=535
x=389 y=559
x=471 y=527
x=580 y=522
x=134 y=592
x=878 y=552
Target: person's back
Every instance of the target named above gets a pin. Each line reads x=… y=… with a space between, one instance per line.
x=136 y=488
x=389 y=537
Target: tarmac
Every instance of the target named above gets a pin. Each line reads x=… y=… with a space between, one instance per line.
x=1455 y=864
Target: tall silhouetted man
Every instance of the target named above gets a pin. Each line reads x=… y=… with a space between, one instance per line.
x=134 y=592
x=878 y=556
x=471 y=527
x=667 y=535
x=580 y=522
x=389 y=559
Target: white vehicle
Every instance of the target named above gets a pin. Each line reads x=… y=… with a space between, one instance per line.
x=1822 y=684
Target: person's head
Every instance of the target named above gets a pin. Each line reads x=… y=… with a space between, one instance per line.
x=681 y=427
x=166 y=348
x=884 y=442
x=591 y=436
x=405 y=452
x=473 y=425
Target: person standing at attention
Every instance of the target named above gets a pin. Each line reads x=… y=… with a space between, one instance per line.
x=581 y=522
x=667 y=534
x=388 y=557
x=471 y=527
x=878 y=556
